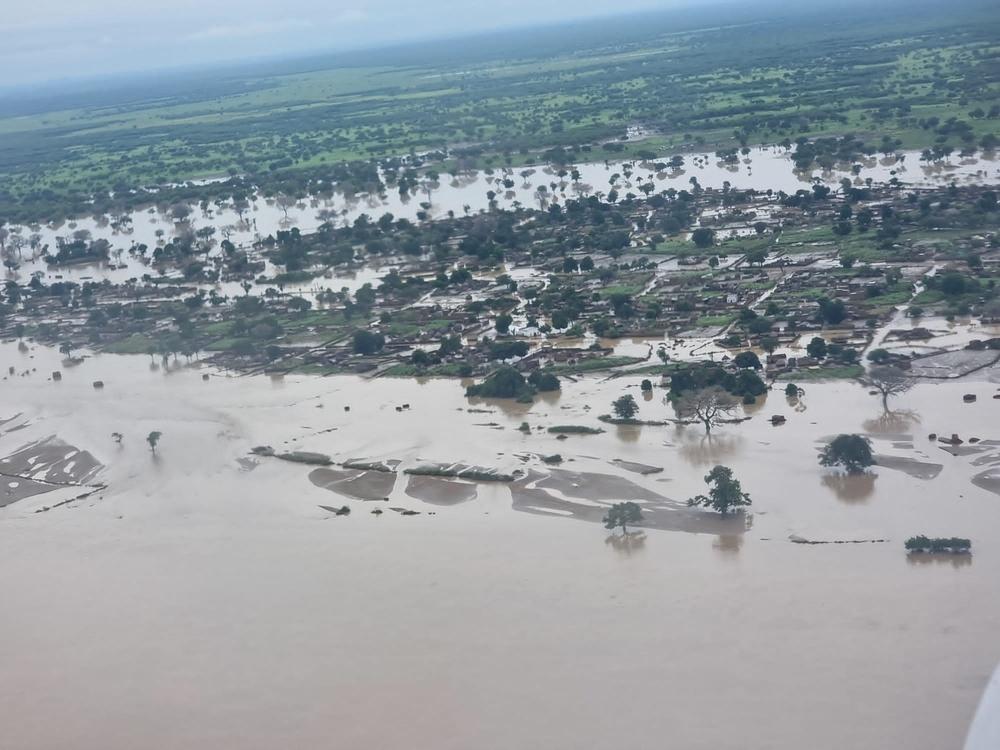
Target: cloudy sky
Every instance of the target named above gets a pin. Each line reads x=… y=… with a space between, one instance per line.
x=45 y=40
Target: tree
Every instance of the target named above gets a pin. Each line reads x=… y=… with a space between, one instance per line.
x=853 y=452
x=366 y=342
x=747 y=359
x=622 y=513
x=703 y=237
x=832 y=311
x=625 y=407
x=505 y=382
x=710 y=406
x=888 y=381
x=503 y=324
x=816 y=348
x=724 y=494
x=153 y=438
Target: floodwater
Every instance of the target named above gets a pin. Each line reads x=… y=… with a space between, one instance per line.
x=205 y=600
x=764 y=168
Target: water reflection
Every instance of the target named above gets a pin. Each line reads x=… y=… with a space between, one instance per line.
x=797 y=403
x=628 y=433
x=550 y=398
x=850 y=488
x=699 y=449
x=756 y=406
x=728 y=545
x=892 y=422
x=627 y=544
x=925 y=558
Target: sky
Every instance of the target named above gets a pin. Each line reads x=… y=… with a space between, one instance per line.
x=52 y=40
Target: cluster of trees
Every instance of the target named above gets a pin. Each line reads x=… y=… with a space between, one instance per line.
x=953 y=545
x=744 y=384
x=506 y=382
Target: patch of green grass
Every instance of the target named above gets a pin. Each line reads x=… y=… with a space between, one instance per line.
x=714 y=321
x=832 y=372
x=137 y=343
x=595 y=363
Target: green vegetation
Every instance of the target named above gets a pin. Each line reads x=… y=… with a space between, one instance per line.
x=505 y=382
x=458 y=471
x=952 y=545
x=621 y=514
x=852 y=452
x=724 y=494
x=844 y=372
x=900 y=75
x=574 y=429
x=625 y=407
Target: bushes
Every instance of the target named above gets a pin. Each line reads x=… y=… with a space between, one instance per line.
x=697 y=377
x=366 y=342
x=506 y=382
x=544 y=381
x=953 y=545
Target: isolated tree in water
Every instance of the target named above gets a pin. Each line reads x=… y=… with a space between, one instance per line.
x=710 y=406
x=621 y=514
x=888 y=381
x=853 y=452
x=625 y=407
x=724 y=493
x=153 y=438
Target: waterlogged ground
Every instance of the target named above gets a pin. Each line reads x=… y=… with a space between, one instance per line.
x=764 y=168
x=204 y=599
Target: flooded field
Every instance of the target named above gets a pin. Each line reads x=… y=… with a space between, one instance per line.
x=765 y=168
x=143 y=613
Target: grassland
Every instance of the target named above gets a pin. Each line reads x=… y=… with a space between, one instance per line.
x=894 y=73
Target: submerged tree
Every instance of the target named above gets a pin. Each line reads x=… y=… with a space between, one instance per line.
x=710 y=406
x=621 y=514
x=725 y=492
x=153 y=438
x=853 y=452
x=888 y=381
x=625 y=407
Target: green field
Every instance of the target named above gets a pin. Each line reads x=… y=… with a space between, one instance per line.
x=892 y=71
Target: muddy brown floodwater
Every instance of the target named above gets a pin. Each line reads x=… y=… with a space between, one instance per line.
x=203 y=599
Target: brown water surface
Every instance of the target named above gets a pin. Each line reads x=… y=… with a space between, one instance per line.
x=197 y=603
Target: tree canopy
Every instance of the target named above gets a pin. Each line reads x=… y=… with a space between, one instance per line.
x=621 y=514
x=852 y=452
x=724 y=494
x=625 y=407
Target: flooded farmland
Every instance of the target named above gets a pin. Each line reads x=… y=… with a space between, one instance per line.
x=195 y=566
x=765 y=168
